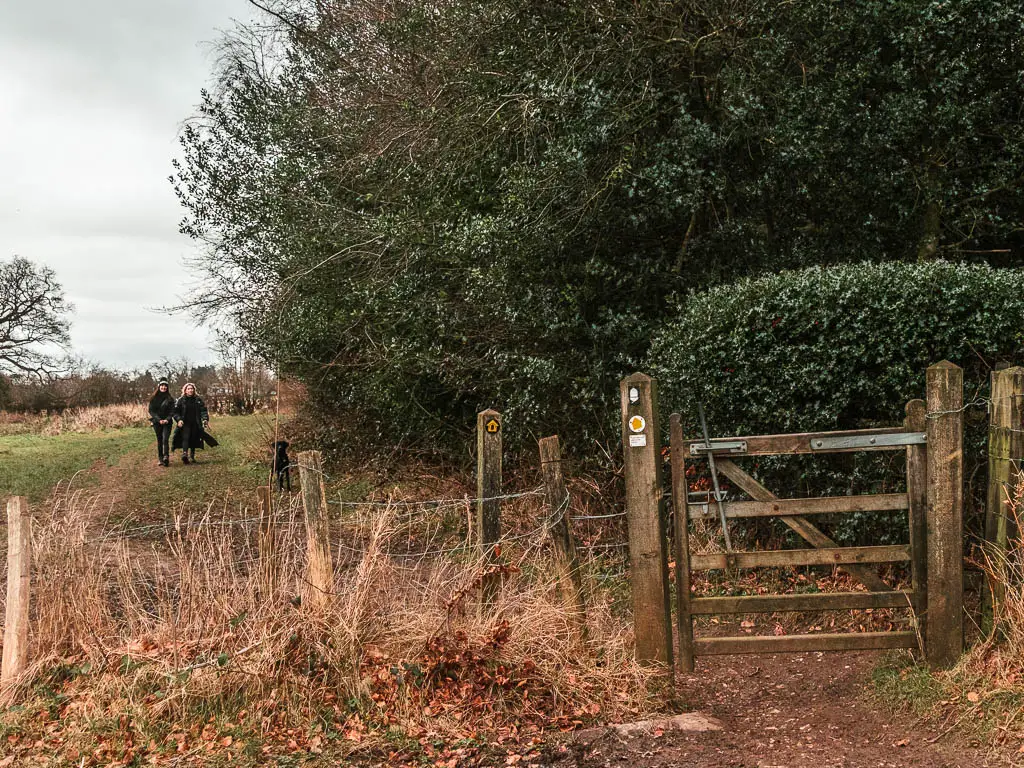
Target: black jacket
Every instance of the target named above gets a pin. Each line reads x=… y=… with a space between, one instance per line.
x=161 y=406
x=193 y=412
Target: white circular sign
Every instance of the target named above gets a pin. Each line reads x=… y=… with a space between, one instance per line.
x=637 y=423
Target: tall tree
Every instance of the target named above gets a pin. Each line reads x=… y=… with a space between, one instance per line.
x=33 y=318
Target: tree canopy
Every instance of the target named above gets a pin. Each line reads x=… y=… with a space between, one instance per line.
x=33 y=318
x=426 y=207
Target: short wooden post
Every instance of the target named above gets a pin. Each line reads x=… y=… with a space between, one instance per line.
x=680 y=508
x=1005 y=452
x=561 y=533
x=19 y=563
x=944 y=639
x=917 y=501
x=319 y=565
x=488 y=489
x=267 y=541
x=648 y=561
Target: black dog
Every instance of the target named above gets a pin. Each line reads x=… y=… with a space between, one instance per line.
x=282 y=465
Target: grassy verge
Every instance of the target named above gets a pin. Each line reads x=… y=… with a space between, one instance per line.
x=982 y=696
x=968 y=700
x=32 y=465
x=901 y=682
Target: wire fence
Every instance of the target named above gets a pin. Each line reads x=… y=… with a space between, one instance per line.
x=419 y=529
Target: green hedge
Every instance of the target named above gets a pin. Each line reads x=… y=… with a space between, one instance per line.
x=837 y=348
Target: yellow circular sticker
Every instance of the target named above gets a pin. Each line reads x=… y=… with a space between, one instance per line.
x=637 y=423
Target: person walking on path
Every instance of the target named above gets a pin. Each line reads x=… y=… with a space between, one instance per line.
x=161 y=411
x=192 y=419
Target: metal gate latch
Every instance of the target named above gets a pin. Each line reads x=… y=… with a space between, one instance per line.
x=867 y=441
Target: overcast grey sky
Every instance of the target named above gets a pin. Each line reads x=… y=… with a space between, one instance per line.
x=92 y=96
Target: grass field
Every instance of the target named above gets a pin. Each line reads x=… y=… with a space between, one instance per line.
x=233 y=467
x=35 y=465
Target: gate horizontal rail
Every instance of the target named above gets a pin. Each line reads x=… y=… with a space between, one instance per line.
x=852 y=641
x=787 y=557
x=823 y=601
x=843 y=441
x=822 y=505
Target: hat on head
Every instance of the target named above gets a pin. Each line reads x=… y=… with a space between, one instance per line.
x=163 y=383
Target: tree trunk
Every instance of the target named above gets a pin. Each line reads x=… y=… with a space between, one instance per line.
x=928 y=247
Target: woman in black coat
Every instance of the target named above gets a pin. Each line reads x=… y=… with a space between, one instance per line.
x=161 y=411
x=192 y=418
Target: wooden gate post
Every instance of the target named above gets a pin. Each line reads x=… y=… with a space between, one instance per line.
x=267 y=541
x=488 y=489
x=320 y=564
x=944 y=639
x=1005 y=452
x=561 y=534
x=917 y=500
x=680 y=506
x=19 y=563
x=648 y=561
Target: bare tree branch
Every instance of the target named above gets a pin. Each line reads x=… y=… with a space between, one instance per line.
x=32 y=318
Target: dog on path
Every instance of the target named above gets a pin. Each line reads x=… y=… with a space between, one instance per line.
x=282 y=465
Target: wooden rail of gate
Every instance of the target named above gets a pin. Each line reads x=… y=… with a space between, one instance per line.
x=931 y=436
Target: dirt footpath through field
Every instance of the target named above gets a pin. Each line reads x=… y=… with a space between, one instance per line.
x=808 y=710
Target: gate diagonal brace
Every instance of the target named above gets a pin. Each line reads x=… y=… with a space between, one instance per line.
x=800 y=525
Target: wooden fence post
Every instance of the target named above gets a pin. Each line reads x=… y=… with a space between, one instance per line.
x=917 y=500
x=488 y=489
x=561 y=532
x=944 y=427
x=680 y=504
x=1005 y=452
x=319 y=566
x=267 y=541
x=19 y=582
x=648 y=561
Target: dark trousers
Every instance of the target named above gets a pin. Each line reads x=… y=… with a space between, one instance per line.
x=186 y=439
x=163 y=439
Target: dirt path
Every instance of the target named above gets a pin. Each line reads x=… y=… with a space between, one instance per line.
x=787 y=711
x=135 y=489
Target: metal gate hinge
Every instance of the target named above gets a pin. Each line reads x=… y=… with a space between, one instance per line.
x=719 y=446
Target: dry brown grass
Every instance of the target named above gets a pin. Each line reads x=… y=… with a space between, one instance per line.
x=91 y=419
x=993 y=669
x=168 y=636
x=983 y=694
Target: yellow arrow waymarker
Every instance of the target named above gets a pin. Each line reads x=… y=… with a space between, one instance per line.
x=493 y=426
x=637 y=424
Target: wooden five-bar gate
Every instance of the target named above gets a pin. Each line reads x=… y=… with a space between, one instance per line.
x=931 y=437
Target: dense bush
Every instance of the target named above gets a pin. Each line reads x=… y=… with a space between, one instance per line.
x=836 y=348
x=422 y=209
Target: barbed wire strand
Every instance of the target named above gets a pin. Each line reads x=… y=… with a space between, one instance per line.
x=597 y=517
x=179 y=524
x=439 y=502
